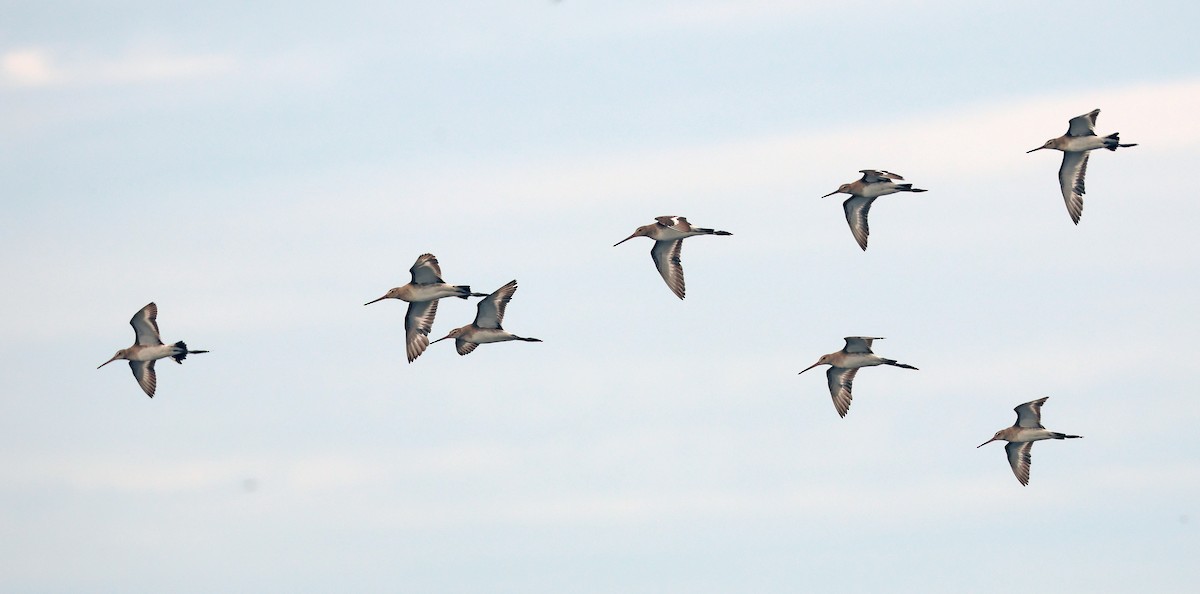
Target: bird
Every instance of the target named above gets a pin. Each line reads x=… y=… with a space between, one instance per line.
x=1022 y=434
x=486 y=327
x=422 y=294
x=668 y=233
x=864 y=191
x=845 y=363
x=148 y=348
x=1075 y=144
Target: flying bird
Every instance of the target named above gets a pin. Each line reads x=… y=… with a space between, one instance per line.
x=1075 y=144
x=863 y=192
x=148 y=348
x=1022 y=434
x=668 y=233
x=422 y=294
x=486 y=327
x=845 y=363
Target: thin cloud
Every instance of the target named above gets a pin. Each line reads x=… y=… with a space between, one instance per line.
x=28 y=68
x=40 y=68
x=988 y=139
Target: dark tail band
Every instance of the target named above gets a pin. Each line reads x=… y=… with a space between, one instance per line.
x=183 y=352
x=1113 y=141
x=894 y=363
x=464 y=291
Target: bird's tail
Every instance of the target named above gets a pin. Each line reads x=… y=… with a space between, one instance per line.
x=711 y=231
x=464 y=291
x=908 y=188
x=894 y=363
x=1113 y=141
x=528 y=339
x=1064 y=436
x=181 y=352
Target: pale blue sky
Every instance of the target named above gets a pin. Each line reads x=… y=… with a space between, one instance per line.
x=260 y=172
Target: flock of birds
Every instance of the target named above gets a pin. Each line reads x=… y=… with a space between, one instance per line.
x=668 y=233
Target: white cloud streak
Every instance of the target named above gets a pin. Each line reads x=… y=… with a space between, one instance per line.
x=30 y=68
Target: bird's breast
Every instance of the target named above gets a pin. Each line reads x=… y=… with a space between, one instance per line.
x=1079 y=144
x=485 y=335
x=150 y=352
x=856 y=360
x=428 y=292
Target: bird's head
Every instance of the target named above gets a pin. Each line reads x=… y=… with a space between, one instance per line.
x=120 y=355
x=640 y=232
x=842 y=189
x=824 y=360
x=455 y=333
x=996 y=437
x=391 y=294
x=1049 y=145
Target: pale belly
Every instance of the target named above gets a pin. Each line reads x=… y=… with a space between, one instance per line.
x=856 y=360
x=152 y=353
x=671 y=234
x=486 y=335
x=1031 y=434
x=428 y=292
x=879 y=189
x=1079 y=144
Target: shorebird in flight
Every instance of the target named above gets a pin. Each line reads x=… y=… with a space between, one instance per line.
x=863 y=192
x=845 y=363
x=1075 y=145
x=486 y=327
x=148 y=348
x=1022 y=434
x=668 y=234
x=422 y=294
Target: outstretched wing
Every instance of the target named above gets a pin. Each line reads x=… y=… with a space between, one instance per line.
x=666 y=258
x=426 y=270
x=143 y=371
x=841 y=381
x=464 y=347
x=1019 y=458
x=877 y=175
x=859 y=344
x=145 y=325
x=1084 y=125
x=418 y=322
x=1029 y=415
x=857 y=208
x=490 y=312
x=1070 y=179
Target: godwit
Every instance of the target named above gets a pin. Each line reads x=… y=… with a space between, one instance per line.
x=1024 y=432
x=845 y=363
x=486 y=327
x=148 y=348
x=1075 y=144
x=668 y=234
x=422 y=294
x=863 y=192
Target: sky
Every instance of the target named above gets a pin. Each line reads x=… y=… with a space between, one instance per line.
x=261 y=171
